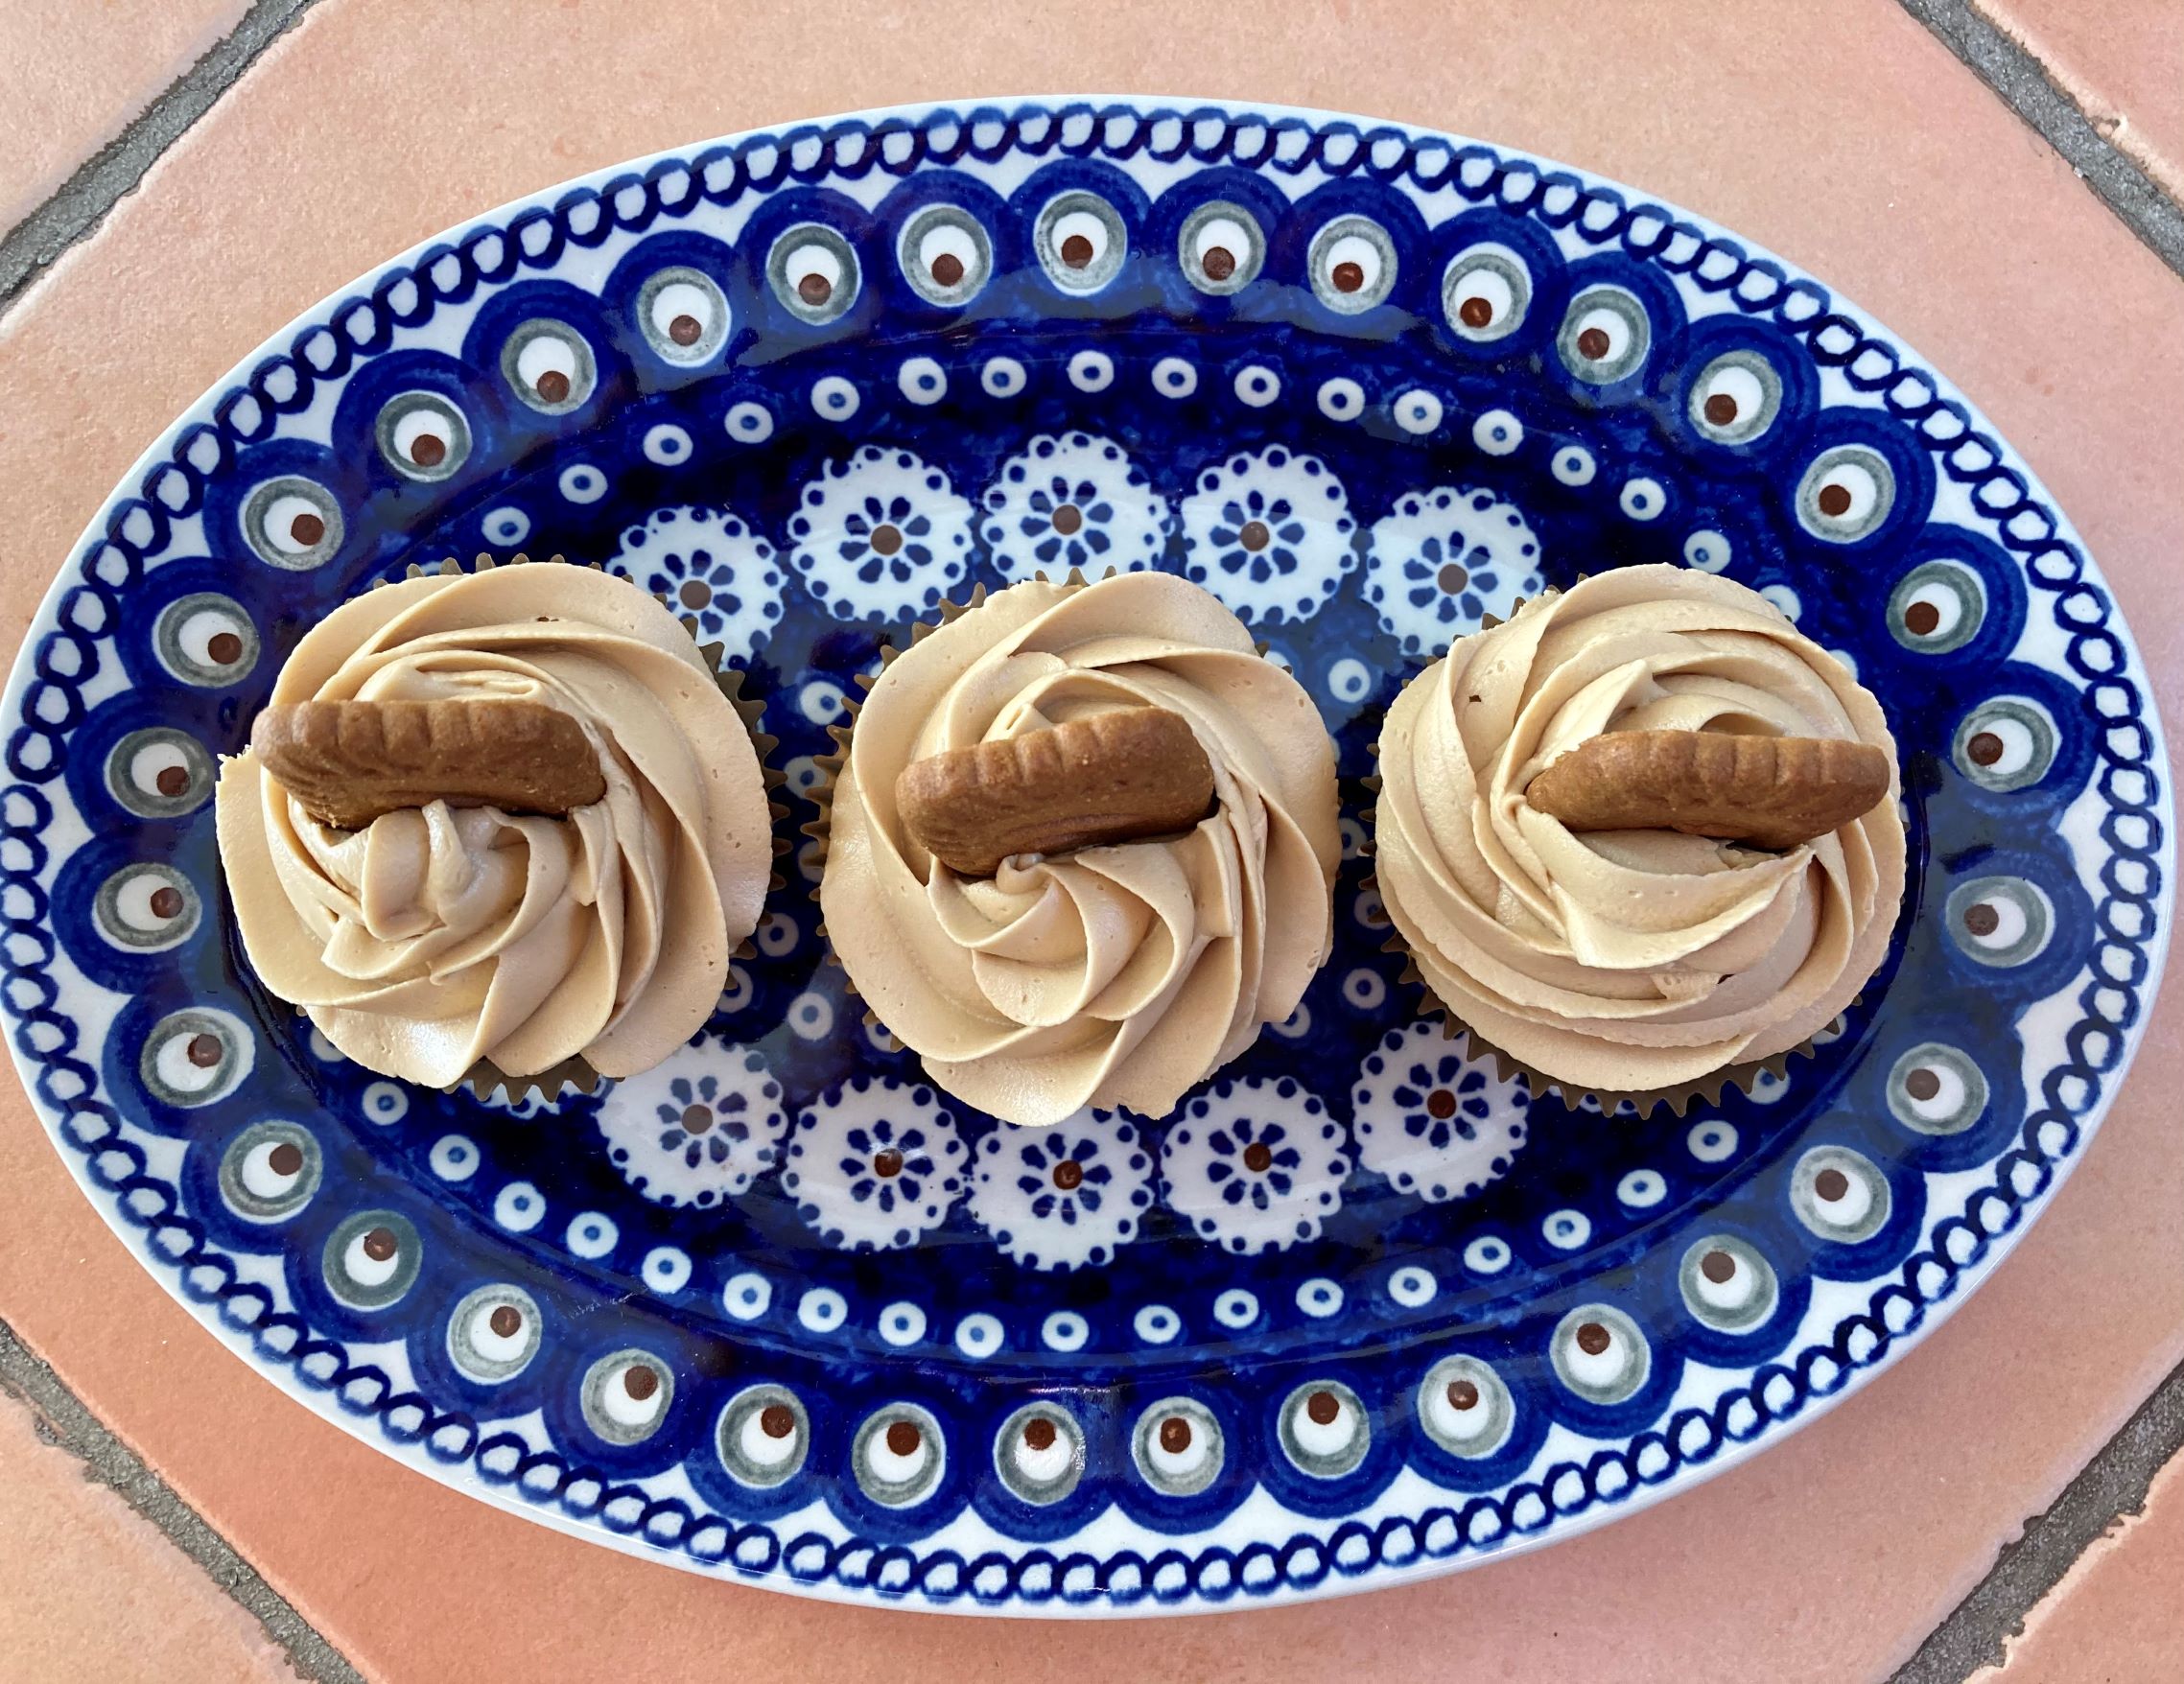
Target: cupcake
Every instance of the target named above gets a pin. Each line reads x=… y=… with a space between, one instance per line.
x=1082 y=847
x=1641 y=834
x=497 y=821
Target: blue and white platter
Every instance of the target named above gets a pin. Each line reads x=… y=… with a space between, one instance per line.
x=1444 y=1318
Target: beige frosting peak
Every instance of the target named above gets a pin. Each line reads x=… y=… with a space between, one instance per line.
x=1115 y=976
x=438 y=936
x=1634 y=960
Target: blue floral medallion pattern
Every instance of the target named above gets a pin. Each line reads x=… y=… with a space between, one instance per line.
x=766 y=378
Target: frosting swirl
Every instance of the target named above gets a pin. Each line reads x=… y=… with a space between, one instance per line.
x=1628 y=961
x=1116 y=975
x=438 y=936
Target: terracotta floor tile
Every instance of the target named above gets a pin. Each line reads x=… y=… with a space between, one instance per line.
x=73 y=73
x=1842 y=135
x=95 y=1591
x=2116 y=1618
x=2121 y=60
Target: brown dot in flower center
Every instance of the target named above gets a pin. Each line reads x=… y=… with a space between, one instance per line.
x=697 y=1118
x=1038 y=1433
x=166 y=902
x=205 y=1051
x=1452 y=577
x=686 y=329
x=171 y=780
x=1475 y=313
x=428 y=450
x=285 y=1158
x=1720 y=409
x=1592 y=1338
x=1831 y=1185
x=1922 y=619
x=223 y=647
x=506 y=1321
x=380 y=1243
x=1323 y=1407
x=1175 y=1435
x=1718 y=1267
x=640 y=1380
x=947 y=269
x=814 y=288
x=1255 y=536
x=1982 y=919
x=1068 y=519
x=1922 y=1085
x=887 y=1164
x=1593 y=342
x=1258 y=1158
x=887 y=538
x=553 y=385
x=1984 y=749
x=694 y=593
x=1833 y=500
x=777 y=1420
x=1068 y=1175
x=307 y=529
x=1076 y=251
x=903 y=1437
x=1441 y=1102
x=1347 y=278
x=1219 y=263
x=1462 y=1394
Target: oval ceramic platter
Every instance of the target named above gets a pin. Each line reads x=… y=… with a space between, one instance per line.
x=1438 y=1318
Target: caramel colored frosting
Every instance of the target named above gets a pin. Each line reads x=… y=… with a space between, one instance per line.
x=1627 y=960
x=442 y=935
x=1116 y=975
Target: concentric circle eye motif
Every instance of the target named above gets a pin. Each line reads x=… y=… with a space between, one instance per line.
x=1845 y=494
x=1728 y=1285
x=1221 y=247
x=1598 y=1352
x=946 y=254
x=291 y=523
x=195 y=1056
x=625 y=1396
x=899 y=1456
x=1040 y=1453
x=1484 y=292
x=549 y=365
x=1464 y=1407
x=683 y=313
x=147 y=908
x=2005 y=743
x=160 y=772
x=1937 y=1090
x=494 y=1333
x=1177 y=1446
x=1081 y=240
x=1999 y=920
x=1840 y=1195
x=371 y=1259
x=1735 y=398
x=815 y=273
x=270 y=1171
x=422 y=436
x=1937 y=607
x=205 y=639
x=1604 y=336
x=1324 y=1428
x=1351 y=264
x=763 y=1437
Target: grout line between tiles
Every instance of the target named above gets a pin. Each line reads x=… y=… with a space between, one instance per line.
x=2023 y=84
x=63 y=1419
x=80 y=203
x=2111 y=1487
